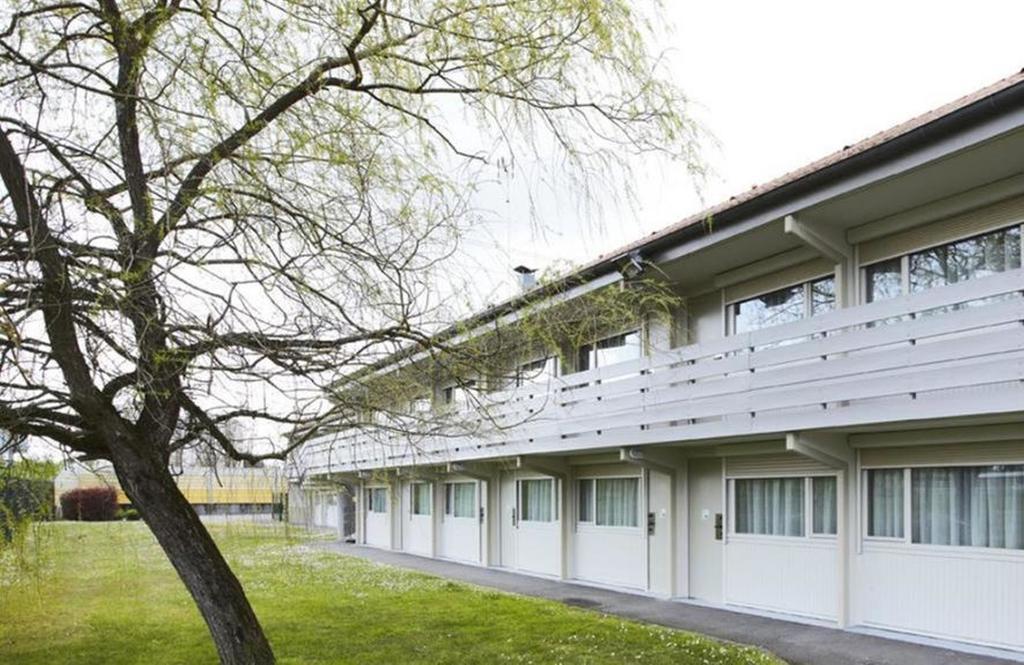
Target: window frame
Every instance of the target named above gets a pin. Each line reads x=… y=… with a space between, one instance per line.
x=904 y=260
x=808 y=304
x=807 y=502
x=593 y=523
x=906 y=541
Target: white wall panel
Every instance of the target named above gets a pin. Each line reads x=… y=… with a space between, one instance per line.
x=418 y=534
x=609 y=555
x=538 y=547
x=460 y=539
x=938 y=591
x=792 y=575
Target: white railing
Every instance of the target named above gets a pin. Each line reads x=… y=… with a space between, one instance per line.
x=951 y=351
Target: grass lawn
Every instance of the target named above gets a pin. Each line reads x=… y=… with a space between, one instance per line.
x=105 y=593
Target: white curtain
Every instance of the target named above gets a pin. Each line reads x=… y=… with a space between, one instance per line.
x=464 y=499
x=970 y=506
x=770 y=506
x=421 y=499
x=885 y=503
x=378 y=499
x=618 y=501
x=536 y=499
x=824 y=515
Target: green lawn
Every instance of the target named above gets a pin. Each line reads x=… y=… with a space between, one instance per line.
x=104 y=593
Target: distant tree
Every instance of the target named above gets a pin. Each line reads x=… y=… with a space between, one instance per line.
x=208 y=202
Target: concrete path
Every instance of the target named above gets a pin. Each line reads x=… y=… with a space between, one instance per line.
x=796 y=643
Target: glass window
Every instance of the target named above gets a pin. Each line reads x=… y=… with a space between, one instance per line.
x=609 y=351
x=980 y=256
x=885 y=503
x=377 y=499
x=585 y=500
x=460 y=499
x=770 y=506
x=420 y=498
x=980 y=506
x=584 y=357
x=769 y=309
x=539 y=371
x=537 y=499
x=617 y=349
x=823 y=505
x=884 y=280
x=823 y=296
x=458 y=396
x=419 y=405
x=617 y=502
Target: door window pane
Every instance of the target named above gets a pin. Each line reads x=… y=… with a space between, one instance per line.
x=421 y=499
x=885 y=503
x=617 y=501
x=770 y=506
x=460 y=499
x=536 y=497
x=377 y=499
x=884 y=280
x=969 y=506
x=769 y=309
x=823 y=500
x=585 y=501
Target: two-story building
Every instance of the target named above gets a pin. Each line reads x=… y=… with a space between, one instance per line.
x=830 y=427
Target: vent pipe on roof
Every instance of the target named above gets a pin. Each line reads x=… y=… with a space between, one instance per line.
x=527 y=277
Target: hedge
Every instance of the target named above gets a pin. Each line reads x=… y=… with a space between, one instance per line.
x=89 y=504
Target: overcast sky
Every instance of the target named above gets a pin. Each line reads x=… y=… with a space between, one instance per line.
x=779 y=85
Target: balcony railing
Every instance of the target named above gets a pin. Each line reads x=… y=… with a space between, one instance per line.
x=951 y=351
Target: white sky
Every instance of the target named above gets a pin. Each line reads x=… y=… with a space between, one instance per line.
x=779 y=85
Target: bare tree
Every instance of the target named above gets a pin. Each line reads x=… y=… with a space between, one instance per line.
x=214 y=208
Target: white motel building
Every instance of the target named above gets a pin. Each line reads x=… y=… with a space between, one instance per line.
x=830 y=429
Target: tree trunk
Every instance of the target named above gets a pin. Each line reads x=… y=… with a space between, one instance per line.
x=218 y=594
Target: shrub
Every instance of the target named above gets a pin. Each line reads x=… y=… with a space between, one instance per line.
x=128 y=514
x=89 y=504
x=22 y=500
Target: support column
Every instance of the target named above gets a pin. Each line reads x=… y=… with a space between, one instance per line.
x=833 y=449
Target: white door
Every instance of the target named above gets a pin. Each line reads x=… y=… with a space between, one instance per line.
x=659 y=533
x=538 y=526
x=706 y=520
x=378 y=516
x=460 y=522
x=417 y=509
x=507 y=520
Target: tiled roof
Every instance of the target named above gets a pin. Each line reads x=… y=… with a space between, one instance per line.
x=605 y=262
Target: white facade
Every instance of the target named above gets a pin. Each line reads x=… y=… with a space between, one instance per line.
x=831 y=428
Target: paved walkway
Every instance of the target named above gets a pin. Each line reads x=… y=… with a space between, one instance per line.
x=796 y=643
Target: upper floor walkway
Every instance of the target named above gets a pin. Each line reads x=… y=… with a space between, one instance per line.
x=947 y=352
